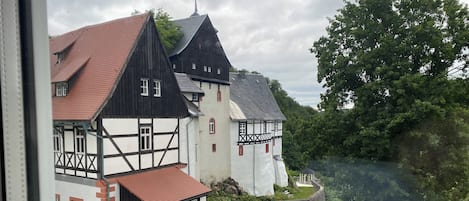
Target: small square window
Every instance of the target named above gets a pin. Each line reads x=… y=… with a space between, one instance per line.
x=194 y=66
x=218 y=71
x=144 y=86
x=195 y=97
x=214 y=147
x=61 y=89
x=205 y=68
x=157 y=88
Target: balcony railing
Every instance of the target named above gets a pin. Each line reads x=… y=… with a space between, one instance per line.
x=77 y=162
x=254 y=138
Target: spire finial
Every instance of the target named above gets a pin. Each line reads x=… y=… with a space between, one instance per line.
x=195 y=9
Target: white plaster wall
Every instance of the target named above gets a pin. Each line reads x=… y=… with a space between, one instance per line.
x=68 y=189
x=189 y=138
x=254 y=170
x=214 y=166
x=116 y=127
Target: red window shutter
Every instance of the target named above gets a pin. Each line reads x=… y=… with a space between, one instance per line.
x=240 y=150
x=214 y=147
x=267 y=148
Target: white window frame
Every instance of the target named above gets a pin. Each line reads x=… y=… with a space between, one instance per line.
x=79 y=140
x=209 y=69
x=194 y=66
x=144 y=86
x=57 y=141
x=157 y=88
x=145 y=138
x=242 y=128
x=211 y=126
x=61 y=89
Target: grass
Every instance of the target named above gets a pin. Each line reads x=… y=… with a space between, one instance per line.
x=295 y=193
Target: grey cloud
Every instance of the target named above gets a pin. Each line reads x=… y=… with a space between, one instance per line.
x=271 y=37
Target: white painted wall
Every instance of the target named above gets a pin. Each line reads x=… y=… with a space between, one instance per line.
x=254 y=170
x=214 y=166
x=123 y=126
x=189 y=139
x=68 y=189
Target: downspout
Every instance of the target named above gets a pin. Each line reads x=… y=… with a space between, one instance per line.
x=254 y=170
x=188 y=144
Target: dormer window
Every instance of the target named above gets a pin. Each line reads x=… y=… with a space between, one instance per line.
x=60 y=57
x=144 y=86
x=61 y=89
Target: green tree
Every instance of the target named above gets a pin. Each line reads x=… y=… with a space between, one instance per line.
x=390 y=60
x=170 y=33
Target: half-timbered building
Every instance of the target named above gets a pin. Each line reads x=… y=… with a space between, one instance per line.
x=118 y=115
x=200 y=57
x=256 y=135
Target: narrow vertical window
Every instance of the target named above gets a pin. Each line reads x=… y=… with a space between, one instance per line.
x=61 y=89
x=267 y=148
x=57 y=140
x=79 y=140
x=214 y=147
x=218 y=71
x=209 y=69
x=265 y=126
x=194 y=66
x=240 y=150
x=144 y=86
x=205 y=68
x=145 y=138
x=219 y=94
x=211 y=126
x=174 y=66
x=157 y=88
x=242 y=128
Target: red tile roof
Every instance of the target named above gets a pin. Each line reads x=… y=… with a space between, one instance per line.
x=106 y=48
x=166 y=184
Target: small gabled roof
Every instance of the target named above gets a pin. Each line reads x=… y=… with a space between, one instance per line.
x=100 y=52
x=252 y=99
x=189 y=27
x=186 y=85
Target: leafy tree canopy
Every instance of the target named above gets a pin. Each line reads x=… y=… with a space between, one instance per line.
x=170 y=33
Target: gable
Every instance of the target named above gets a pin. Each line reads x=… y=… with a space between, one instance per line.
x=95 y=57
x=149 y=61
x=203 y=49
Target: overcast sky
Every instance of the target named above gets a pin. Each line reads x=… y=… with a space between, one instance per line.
x=272 y=37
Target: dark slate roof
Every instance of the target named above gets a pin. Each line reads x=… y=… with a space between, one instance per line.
x=192 y=108
x=186 y=85
x=252 y=95
x=189 y=27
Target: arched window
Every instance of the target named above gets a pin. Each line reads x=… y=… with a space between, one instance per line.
x=211 y=126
